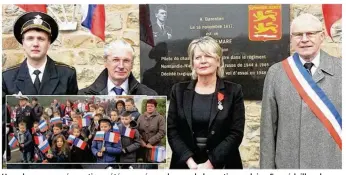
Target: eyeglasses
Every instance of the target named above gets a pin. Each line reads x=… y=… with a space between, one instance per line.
x=116 y=61
x=299 y=35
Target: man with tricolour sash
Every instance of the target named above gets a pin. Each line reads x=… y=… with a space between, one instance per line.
x=301 y=120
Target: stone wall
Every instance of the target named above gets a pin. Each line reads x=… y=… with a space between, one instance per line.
x=84 y=51
x=78 y=48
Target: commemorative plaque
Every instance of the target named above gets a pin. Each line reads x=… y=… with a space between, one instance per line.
x=252 y=37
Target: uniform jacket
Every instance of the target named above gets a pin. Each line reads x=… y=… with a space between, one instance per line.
x=58 y=79
x=26 y=115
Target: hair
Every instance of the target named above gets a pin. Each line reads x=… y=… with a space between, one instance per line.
x=118 y=44
x=104 y=121
x=159 y=7
x=65 y=149
x=209 y=46
x=119 y=101
x=130 y=100
x=69 y=101
x=307 y=19
x=58 y=125
x=22 y=124
x=92 y=106
x=152 y=101
x=56 y=112
x=98 y=115
x=115 y=110
x=75 y=126
x=125 y=114
x=35 y=122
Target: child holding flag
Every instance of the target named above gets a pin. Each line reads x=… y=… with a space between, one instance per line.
x=26 y=145
x=79 y=149
x=94 y=127
x=60 y=151
x=38 y=139
x=130 y=138
x=106 y=144
x=57 y=129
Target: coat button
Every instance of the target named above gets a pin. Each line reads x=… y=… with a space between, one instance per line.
x=207 y=150
x=212 y=132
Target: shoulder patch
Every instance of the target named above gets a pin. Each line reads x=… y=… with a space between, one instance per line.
x=57 y=63
x=11 y=67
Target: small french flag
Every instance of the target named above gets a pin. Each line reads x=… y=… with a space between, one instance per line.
x=55 y=120
x=113 y=137
x=13 y=142
x=79 y=143
x=94 y=18
x=128 y=132
x=44 y=146
x=66 y=121
x=43 y=126
x=99 y=136
x=158 y=154
x=85 y=122
x=71 y=139
x=38 y=139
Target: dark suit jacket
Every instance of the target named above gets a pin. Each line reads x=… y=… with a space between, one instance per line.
x=226 y=127
x=58 y=79
x=99 y=87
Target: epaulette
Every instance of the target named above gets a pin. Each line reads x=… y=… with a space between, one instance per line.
x=11 y=67
x=57 y=63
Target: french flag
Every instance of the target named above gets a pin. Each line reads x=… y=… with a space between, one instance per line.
x=66 y=121
x=99 y=136
x=44 y=146
x=71 y=139
x=79 y=143
x=94 y=19
x=84 y=122
x=55 y=120
x=158 y=154
x=38 y=139
x=13 y=142
x=113 y=137
x=128 y=132
x=43 y=126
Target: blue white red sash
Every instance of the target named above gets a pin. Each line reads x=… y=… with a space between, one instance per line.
x=314 y=97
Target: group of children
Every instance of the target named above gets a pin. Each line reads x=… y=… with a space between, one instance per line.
x=102 y=139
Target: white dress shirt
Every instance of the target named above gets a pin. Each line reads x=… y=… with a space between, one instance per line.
x=32 y=69
x=316 y=62
x=124 y=86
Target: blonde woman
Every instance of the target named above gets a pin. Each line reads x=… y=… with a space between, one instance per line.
x=206 y=116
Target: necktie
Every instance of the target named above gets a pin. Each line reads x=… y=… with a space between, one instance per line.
x=308 y=67
x=118 y=91
x=37 y=82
